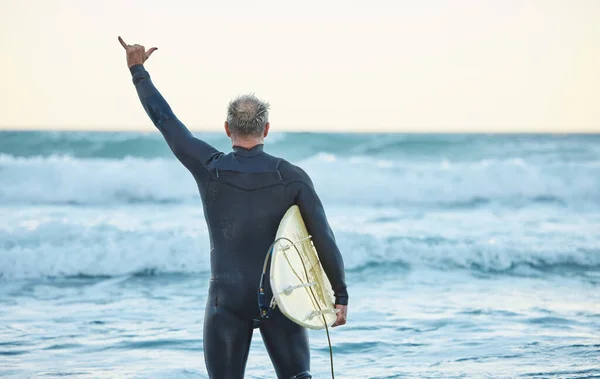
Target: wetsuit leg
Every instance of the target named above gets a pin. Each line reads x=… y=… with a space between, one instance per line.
x=227 y=339
x=287 y=345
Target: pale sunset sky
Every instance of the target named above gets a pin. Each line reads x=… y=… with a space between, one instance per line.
x=370 y=65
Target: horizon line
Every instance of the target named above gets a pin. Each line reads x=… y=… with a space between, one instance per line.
x=32 y=128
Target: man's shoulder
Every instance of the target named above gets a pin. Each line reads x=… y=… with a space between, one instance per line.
x=292 y=173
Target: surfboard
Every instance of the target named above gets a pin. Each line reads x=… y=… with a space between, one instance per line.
x=300 y=287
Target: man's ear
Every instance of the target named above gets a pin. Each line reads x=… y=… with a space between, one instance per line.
x=267 y=126
x=227 y=129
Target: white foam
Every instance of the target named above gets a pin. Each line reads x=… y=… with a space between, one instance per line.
x=67 y=241
x=61 y=179
x=358 y=179
x=101 y=242
x=376 y=182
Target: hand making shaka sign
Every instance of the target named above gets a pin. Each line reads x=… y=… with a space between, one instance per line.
x=136 y=54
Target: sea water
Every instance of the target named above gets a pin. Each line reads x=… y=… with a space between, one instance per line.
x=466 y=255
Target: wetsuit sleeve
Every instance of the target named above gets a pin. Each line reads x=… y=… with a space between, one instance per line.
x=191 y=151
x=318 y=227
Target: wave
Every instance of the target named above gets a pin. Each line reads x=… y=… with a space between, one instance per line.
x=295 y=146
x=67 y=180
x=339 y=180
x=88 y=248
x=69 y=248
x=481 y=254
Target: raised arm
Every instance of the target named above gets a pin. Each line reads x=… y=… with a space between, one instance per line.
x=191 y=151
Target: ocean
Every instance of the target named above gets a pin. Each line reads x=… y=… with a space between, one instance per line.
x=467 y=256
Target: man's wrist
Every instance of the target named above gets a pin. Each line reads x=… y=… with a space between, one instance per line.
x=341 y=298
x=138 y=72
x=136 y=68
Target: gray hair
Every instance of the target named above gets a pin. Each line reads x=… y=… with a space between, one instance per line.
x=247 y=116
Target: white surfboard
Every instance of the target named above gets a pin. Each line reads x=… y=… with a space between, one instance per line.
x=301 y=288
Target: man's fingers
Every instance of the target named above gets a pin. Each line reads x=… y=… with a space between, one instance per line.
x=153 y=49
x=123 y=43
x=337 y=321
x=342 y=312
x=341 y=320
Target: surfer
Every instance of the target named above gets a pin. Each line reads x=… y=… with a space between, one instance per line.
x=245 y=194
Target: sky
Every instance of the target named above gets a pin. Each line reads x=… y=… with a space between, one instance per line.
x=372 y=65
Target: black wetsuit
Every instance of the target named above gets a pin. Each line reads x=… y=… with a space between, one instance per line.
x=245 y=194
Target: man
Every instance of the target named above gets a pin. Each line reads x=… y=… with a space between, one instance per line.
x=245 y=194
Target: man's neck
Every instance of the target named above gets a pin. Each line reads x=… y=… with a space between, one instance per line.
x=248 y=143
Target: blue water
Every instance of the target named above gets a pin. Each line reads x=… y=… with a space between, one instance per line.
x=467 y=255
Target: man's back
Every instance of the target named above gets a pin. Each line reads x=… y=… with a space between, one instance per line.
x=244 y=200
x=245 y=196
